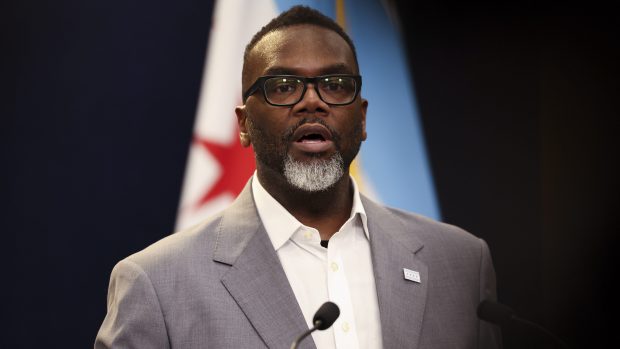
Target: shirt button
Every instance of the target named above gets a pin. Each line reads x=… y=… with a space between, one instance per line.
x=308 y=235
x=345 y=327
x=334 y=266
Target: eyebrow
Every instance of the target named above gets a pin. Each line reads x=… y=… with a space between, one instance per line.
x=332 y=69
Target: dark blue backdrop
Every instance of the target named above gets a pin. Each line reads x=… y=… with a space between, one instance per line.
x=105 y=99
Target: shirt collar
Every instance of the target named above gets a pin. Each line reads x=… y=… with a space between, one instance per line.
x=281 y=225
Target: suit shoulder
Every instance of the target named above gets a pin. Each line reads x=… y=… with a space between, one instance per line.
x=430 y=231
x=184 y=246
x=443 y=244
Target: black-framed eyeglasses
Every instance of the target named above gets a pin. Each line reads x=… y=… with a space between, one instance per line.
x=287 y=90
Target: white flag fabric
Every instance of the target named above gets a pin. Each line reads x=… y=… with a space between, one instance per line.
x=218 y=167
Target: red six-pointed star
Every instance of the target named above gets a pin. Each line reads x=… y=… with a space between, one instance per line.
x=236 y=164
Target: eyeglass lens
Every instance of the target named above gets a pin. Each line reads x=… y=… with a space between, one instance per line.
x=331 y=89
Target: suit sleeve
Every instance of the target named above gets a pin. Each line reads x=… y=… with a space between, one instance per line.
x=134 y=318
x=489 y=335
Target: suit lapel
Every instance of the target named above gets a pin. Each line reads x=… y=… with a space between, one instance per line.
x=401 y=302
x=256 y=279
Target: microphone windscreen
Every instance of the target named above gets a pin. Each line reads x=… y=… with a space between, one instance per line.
x=326 y=315
x=495 y=312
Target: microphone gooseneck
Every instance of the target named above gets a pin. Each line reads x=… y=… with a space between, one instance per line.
x=495 y=312
x=322 y=320
x=504 y=316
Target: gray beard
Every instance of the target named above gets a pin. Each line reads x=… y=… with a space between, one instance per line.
x=315 y=175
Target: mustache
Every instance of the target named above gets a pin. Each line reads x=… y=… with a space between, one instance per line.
x=288 y=134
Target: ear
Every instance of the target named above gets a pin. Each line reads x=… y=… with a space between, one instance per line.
x=364 y=107
x=242 y=119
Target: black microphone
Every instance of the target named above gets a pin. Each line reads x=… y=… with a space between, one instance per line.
x=322 y=320
x=504 y=316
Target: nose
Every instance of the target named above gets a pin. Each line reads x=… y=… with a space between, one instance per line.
x=311 y=102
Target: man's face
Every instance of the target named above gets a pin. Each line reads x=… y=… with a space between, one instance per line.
x=311 y=130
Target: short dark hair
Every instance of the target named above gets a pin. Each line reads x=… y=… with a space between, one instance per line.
x=294 y=16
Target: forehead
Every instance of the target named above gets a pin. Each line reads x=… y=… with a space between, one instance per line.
x=302 y=50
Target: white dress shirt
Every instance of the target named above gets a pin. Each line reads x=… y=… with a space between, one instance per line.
x=341 y=273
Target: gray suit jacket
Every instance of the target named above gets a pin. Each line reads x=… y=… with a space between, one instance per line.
x=221 y=285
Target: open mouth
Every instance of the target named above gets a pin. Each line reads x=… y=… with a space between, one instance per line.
x=312 y=138
x=312 y=133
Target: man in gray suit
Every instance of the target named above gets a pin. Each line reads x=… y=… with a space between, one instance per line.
x=300 y=233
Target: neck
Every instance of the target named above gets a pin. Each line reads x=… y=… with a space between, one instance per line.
x=325 y=210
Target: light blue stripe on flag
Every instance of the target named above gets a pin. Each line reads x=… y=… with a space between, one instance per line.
x=394 y=157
